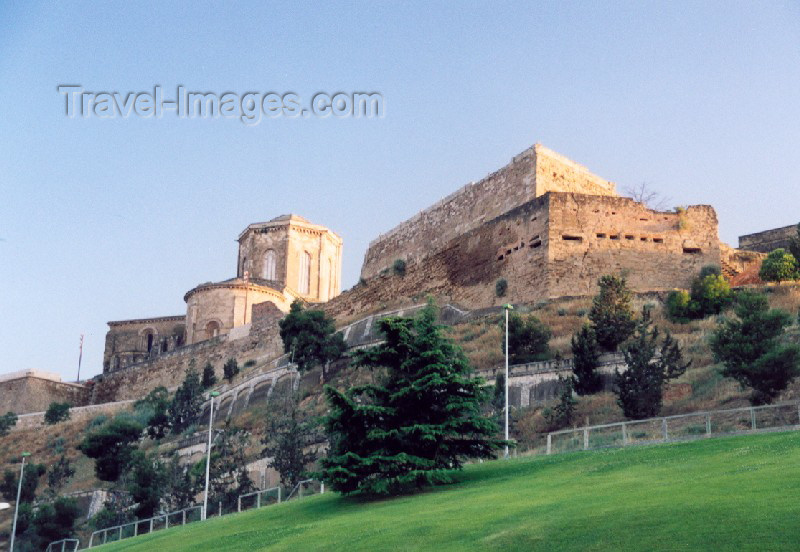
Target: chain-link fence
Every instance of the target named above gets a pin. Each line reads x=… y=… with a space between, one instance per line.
x=144 y=526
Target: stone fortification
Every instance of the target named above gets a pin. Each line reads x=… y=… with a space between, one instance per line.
x=555 y=245
x=531 y=174
x=768 y=240
x=258 y=342
x=33 y=391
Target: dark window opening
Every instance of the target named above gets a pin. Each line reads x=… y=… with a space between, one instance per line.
x=614 y=237
x=643 y=239
x=692 y=250
x=500 y=258
x=516 y=248
x=536 y=244
x=508 y=252
x=149 y=342
x=628 y=237
x=644 y=219
x=164 y=346
x=601 y=236
x=533 y=219
x=658 y=240
x=568 y=237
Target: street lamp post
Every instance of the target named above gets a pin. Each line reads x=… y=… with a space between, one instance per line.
x=208 y=451
x=507 y=307
x=16 y=506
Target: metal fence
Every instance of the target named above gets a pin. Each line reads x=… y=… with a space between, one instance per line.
x=144 y=526
x=682 y=427
x=61 y=545
x=305 y=488
x=255 y=500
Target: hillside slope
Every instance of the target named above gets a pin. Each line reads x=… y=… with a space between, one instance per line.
x=718 y=494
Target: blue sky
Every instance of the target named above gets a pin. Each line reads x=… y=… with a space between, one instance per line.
x=107 y=219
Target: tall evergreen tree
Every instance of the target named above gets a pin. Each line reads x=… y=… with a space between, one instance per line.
x=421 y=422
x=640 y=386
x=528 y=339
x=187 y=403
x=209 y=377
x=586 y=359
x=289 y=431
x=752 y=349
x=611 y=313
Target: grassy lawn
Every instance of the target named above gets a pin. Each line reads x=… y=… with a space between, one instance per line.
x=739 y=493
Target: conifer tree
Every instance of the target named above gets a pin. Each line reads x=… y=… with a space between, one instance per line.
x=209 y=377
x=586 y=359
x=187 y=403
x=421 y=422
x=611 y=314
x=639 y=387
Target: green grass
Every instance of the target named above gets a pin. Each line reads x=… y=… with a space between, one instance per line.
x=740 y=493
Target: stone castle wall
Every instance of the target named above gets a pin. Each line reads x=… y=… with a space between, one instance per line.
x=34 y=394
x=531 y=174
x=768 y=240
x=260 y=342
x=555 y=245
x=127 y=340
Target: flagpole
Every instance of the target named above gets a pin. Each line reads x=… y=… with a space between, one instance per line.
x=80 y=358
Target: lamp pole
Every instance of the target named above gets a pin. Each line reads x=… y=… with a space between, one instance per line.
x=208 y=451
x=507 y=307
x=16 y=506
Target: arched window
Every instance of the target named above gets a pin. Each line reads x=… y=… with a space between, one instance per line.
x=212 y=329
x=305 y=273
x=269 y=265
x=149 y=342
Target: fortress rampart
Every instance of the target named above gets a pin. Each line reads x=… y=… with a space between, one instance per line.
x=531 y=174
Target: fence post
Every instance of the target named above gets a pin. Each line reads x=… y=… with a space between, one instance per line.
x=105 y=536
x=258 y=499
x=239 y=504
x=279 y=493
x=549 y=443
x=585 y=438
x=708 y=424
x=184 y=518
x=151 y=525
x=166 y=521
x=220 y=508
x=624 y=435
x=664 y=428
x=300 y=490
x=136 y=529
x=322 y=486
x=753 y=417
x=120 y=532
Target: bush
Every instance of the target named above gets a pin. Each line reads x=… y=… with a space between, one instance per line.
x=399 y=267
x=209 y=377
x=779 y=265
x=56 y=412
x=500 y=287
x=230 y=369
x=187 y=402
x=710 y=294
x=611 y=313
x=752 y=349
x=560 y=416
x=677 y=306
x=527 y=339
x=7 y=421
x=112 y=447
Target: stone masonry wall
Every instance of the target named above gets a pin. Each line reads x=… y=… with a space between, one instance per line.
x=768 y=240
x=532 y=173
x=555 y=245
x=32 y=394
x=262 y=343
x=591 y=236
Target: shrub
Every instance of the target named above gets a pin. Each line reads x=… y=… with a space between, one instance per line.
x=779 y=265
x=586 y=359
x=710 y=294
x=677 y=306
x=527 y=339
x=230 y=369
x=97 y=421
x=611 y=313
x=209 y=376
x=56 y=412
x=752 y=350
x=7 y=421
x=250 y=363
x=500 y=287
x=560 y=416
x=112 y=447
x=187 y=402
x=399 y=267
x=562 y=312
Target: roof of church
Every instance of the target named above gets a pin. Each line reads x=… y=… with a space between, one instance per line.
x=285 y=220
